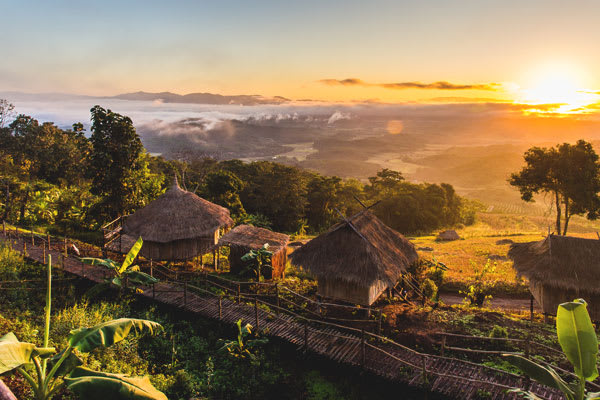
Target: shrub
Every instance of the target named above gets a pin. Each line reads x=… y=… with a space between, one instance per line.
x=429 y=288
x=498 y=332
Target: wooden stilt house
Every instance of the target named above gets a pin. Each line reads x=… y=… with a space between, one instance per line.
x=560 y=269
x=357 y=259
x=177 y=226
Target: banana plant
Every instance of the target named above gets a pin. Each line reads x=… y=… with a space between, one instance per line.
x=241 y=348
x=258 y=259
x=125 y=271
x=578 y=340
x=48 y=371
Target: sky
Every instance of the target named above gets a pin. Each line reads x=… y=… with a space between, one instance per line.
x=336 y=51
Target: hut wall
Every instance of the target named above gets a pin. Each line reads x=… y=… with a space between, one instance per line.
x=179 y=250
x=278 y=261
x=350 y=292
x=549 y=298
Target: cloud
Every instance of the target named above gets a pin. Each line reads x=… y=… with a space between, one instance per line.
x=440 y=85
x=336 y=116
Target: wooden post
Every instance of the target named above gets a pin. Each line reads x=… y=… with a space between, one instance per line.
x=531 y=308
x=215 y=263
x=363 y=347
x=277 y=297
x=220 y=307
x=43 y=251
x=256 y=312
x=443 y=349
x=151 y=269
x=546 y=318
x=218 y=258
x=184 y=293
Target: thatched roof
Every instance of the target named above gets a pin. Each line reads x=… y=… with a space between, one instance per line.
x=447 y=236
x=359 y=250
x=252 y=237
x=175 y=215
x=560 y=261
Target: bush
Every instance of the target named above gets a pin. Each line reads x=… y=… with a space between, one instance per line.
x=498 y=332
x=429 y=288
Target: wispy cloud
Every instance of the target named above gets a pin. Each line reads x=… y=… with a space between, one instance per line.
x=440 y=85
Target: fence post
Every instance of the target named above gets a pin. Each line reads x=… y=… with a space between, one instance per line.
x=43 y=251
x=220 y=307
x=151 y=269
x=256 y=312
x=277 y=297
x=531 y=308
x=443 y=349
x=184 y=293
x=362 y=347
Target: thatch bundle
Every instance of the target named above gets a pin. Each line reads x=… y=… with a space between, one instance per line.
x=178 y=225
x=361 y=251
x=560 y=261
x=244 y=238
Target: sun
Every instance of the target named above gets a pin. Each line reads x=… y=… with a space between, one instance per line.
x=557 y=91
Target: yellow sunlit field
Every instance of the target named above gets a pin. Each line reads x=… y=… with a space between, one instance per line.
x=478 y=245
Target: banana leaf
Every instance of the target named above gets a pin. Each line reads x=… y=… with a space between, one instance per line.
x=108 y=333
x=68 y=364
x=141 y=278
x=13 y=353
x=544 y=375
x=133 y=252
x=105 y=262
x=93 y=385
x=577 y=337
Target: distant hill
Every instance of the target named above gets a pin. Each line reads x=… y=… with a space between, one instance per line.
x=202 y=98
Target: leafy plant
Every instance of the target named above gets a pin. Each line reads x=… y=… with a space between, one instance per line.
x=258 y=260
x=243 y=345
x=578 y=340
x=123 y=272
x=478 y=292
x=50 y=366
x=498 y=332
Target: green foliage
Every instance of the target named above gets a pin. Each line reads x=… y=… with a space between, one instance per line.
x=478 y=291
x=578 y=340
x=258 y=261
x=243 y=346
x=15 y=355
x=498 y=332
x=429 y=289
x=318 y=388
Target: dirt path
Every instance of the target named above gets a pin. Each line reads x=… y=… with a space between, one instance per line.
x=505 y=303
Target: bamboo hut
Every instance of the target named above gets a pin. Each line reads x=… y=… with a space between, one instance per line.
x=560 y=269
x=177 y=226
x=357 y=259
x=244 y=238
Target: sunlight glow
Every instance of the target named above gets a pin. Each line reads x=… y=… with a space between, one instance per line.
x=557 y=91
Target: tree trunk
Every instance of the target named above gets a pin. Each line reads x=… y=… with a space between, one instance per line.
x=557 y=213
x=567 y=217
x=23 y=205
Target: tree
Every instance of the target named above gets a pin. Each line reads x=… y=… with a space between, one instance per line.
x=116 y=157
x=571 y=173
x=7 y=111
x=223 y=187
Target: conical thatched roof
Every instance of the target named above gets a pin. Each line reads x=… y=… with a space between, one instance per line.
x=175 y=215
x=359 y=250
x=254 y=238
x=560 y=261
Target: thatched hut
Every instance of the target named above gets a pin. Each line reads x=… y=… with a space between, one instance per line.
x=177 y=226
x=244 y=238
x=357 y=259
x=560 y=269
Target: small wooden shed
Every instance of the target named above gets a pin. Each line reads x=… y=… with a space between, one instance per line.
x=177 y=226
x=244 y=238
x=357 y=259
x=560 y=269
